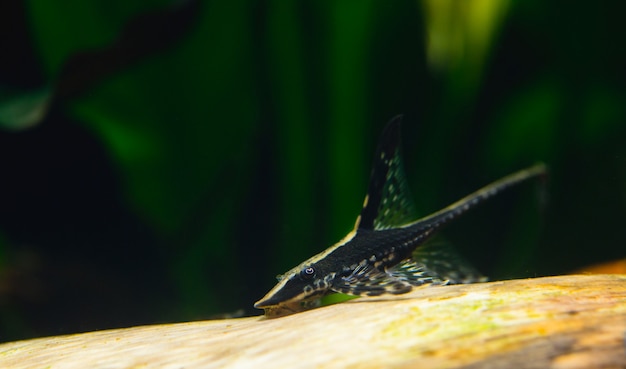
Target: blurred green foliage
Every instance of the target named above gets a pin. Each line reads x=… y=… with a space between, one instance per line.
x=244 y=147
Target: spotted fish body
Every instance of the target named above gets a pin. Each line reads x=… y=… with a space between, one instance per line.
x=379 y=255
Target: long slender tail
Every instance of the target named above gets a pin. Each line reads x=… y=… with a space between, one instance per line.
x=451 y=212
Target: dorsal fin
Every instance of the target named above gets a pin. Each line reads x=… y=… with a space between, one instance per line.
x=388 y=202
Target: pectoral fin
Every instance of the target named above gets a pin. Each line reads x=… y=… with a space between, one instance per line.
x=416 y=274
x=366 y=280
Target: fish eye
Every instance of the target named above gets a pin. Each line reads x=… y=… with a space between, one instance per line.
x=307 y=273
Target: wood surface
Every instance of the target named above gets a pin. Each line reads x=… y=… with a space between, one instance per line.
x=573 y=321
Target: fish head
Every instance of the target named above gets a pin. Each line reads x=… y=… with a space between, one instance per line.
x=298 y=290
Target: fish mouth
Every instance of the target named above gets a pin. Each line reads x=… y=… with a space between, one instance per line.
x=275 y=309
x=278 y=311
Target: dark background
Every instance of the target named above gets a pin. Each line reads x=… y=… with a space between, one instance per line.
x=162 y=161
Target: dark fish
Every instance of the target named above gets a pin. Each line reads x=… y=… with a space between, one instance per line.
x=379 y=255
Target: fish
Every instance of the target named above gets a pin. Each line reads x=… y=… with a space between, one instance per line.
x=386 y=253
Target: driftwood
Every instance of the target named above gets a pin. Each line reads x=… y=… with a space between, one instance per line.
x=554 y=322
